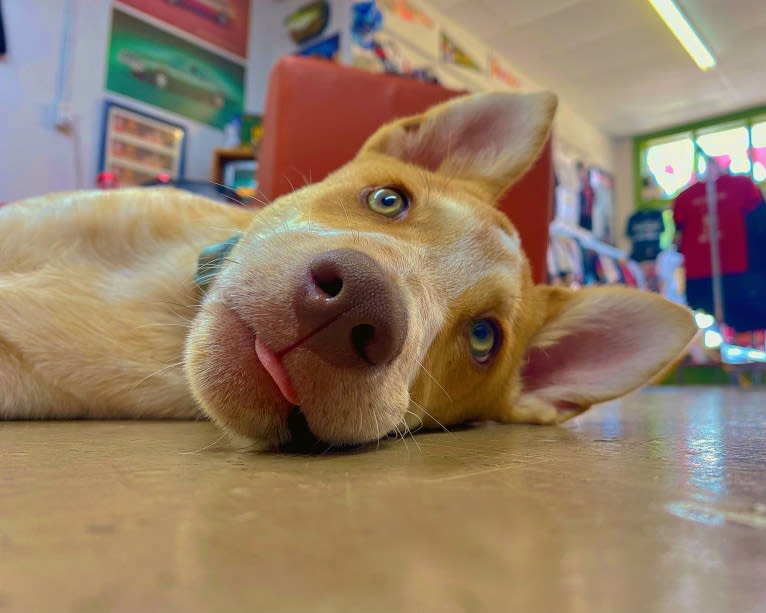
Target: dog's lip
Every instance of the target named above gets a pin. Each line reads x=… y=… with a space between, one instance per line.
x=277 y=371
x=270 y=362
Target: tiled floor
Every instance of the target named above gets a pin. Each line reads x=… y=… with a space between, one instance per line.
x=657 y=503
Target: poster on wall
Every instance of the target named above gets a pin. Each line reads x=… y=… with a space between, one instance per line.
x=408 y=11
x=452 y=53
x=223 y=23
x=499 y=72
x=326 y=49
x=136 y=147
x=161 y=69
x=308 y=21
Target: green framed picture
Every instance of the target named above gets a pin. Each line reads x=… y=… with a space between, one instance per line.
x=158 y=68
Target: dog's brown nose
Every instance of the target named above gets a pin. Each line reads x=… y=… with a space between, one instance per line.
x=352 y=310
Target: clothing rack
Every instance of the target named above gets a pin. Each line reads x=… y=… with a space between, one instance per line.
x=714 y=171
x=732 y=356
x=586 y=238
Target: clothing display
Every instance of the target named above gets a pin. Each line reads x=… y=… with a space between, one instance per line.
x=737 y=196
x=577 y=258
x=586 y=197
x=644 y=229
x=670 y=275
x=741 y=213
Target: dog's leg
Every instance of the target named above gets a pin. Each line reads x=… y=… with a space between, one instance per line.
x=26 y=395
x=96 y=297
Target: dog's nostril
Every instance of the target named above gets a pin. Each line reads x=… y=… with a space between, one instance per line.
x=361 y=337
x=328 y=282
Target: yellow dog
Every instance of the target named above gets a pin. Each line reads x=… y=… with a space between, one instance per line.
x=389 y=295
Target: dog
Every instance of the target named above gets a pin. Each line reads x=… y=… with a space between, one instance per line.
x=389 y=296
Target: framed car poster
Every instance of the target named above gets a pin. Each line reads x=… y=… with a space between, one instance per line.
x=156 y=67
x=137 y=148
x=222 y=23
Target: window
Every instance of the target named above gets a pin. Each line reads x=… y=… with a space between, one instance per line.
x=667 y=165
x=758 y=149
x=729 y=146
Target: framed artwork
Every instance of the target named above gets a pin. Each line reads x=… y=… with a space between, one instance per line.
x=453 y=53
x=2 y=32
x=164 y=70
x=222 y=23
x=137 y=147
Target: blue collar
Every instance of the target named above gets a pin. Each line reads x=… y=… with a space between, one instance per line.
x=210 y=261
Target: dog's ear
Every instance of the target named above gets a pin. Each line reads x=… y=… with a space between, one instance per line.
x=490 y=138
x=595 y=345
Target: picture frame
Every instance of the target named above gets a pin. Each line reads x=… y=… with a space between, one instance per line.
x=137 y=147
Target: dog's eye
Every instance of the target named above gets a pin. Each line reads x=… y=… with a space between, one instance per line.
x=387 y=201
x=483 y=338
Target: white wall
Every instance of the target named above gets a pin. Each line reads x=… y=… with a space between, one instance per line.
x=269 y=42
x=269 y=39
x=572 y=129
x=34 y=157
x=624 y=203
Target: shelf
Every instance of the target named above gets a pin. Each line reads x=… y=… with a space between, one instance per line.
x=137 y=166
x=138 y=142
x=222 y=156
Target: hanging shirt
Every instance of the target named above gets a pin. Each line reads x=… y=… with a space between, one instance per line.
x=670 y=275
x=737 y=196
x=644 y=229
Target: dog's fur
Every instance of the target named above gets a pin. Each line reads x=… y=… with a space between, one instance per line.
x=100 y=317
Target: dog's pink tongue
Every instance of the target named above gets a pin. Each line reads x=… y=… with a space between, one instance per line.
x=273 y=366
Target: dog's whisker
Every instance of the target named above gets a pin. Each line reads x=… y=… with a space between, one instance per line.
x=172 y=325
x=177 y=304
x=235 y=198
x=224 y=434
x=422 y=408
x=441 y=387
x=416 y=416
x=377 y=431
x=177 y=315
x=223 y=229
x=160 y=371
x=408 y=430
x=400 y=435
x=306 y=180
x=348 y=219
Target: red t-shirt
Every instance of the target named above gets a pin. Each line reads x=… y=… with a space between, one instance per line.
x=737 y=196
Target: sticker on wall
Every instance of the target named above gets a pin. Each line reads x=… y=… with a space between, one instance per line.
x=451 y=52
x=308 y=21
x=327 y=49
x=161 y=69
x=499 y=72
x=223 y=23
x=408 y=11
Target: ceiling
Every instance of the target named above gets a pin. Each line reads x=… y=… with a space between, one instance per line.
x=616 y=63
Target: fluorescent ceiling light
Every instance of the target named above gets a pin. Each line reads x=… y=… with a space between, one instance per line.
x=683 y=31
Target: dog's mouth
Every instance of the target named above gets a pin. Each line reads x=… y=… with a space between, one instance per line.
x=298 y=435
x=303 y=439
x=278 y=373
